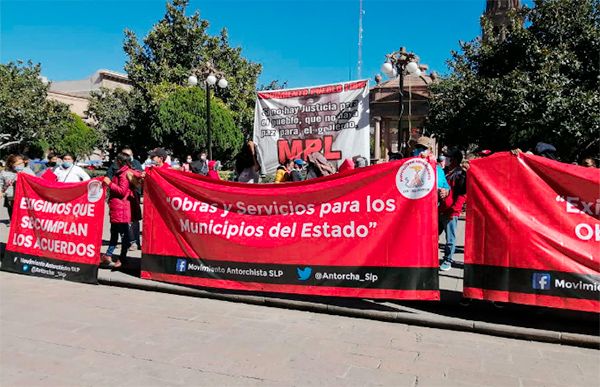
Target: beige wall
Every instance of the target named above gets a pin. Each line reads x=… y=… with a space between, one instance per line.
x=77 y=105
x=76 y=93
x=110 y=84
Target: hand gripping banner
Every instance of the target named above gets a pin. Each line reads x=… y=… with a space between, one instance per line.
x=533 y=232
x=367 y=233
x=56 y=229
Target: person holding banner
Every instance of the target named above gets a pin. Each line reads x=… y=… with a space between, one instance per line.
x=212 y=170
x=422 y=148
x=119 y=206
x=159 y=158
x=68 y=172
x=14 y=165
x=51 y=166
x=451 y=207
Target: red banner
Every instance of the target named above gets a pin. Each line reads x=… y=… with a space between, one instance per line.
x=369 y=233
x=533 y=232
x=56 y=229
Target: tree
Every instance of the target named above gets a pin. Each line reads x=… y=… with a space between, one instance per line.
x=74 y=137
x=182 y=123
x=538 y=82
x=120 y=117
x=26 y=115
x=177 y=44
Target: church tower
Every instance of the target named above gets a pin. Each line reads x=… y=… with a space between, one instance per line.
x=497 y=11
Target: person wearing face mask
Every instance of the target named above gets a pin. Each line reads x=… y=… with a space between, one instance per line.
x=8 y=177
x=135 y=164
x=213 y=170
x=51 y=166
x=200 y=166
x=187 y=165
x=134 y=226
x=423 y=149
x=451 y=207
x=120 y=211
x=68 y=172
x=159 y=158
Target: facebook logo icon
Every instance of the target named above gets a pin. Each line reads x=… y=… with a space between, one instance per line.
x=541 y=281
x=181 y=265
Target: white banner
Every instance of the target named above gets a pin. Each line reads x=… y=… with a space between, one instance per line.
x=293 y=123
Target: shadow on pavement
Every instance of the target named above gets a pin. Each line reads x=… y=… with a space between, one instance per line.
x=451 y=305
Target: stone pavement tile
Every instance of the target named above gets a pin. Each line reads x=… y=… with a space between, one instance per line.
x=481 y=378
x=436 y=381
x=35 y=367
x=378 y=377
x=590 y=368
x=384 y=353
x=564 y=352
x=452 y=359
x=121 y=369
x=564 y=372
x=541 y=382
x=378 y=337
x=404 y=366
x=31 y=380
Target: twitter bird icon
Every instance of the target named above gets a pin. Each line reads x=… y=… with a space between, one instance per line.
x=304 y=274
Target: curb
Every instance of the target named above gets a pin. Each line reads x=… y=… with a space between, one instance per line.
x=425 y=320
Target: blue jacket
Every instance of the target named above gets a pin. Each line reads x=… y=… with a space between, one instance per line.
x=441 y=178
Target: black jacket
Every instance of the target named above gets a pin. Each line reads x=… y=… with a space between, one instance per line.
x=200 y=167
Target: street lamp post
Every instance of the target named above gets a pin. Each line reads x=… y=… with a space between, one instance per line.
x=397 y=64
x=211 y=77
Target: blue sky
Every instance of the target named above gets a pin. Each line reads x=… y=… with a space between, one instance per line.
x=301 y=42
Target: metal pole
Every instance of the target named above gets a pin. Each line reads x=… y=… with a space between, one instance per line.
x=208 y=128
x=360 y=40
x=401 y=106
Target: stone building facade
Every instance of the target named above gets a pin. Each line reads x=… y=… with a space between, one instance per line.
x=76 y=94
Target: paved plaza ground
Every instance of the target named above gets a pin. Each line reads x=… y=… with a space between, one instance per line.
x=57 y=333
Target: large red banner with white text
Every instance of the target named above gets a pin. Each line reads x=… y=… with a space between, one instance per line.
x=533 y=232
x=367 y=233
x=56 y=229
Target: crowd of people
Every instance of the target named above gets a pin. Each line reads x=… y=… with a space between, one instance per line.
x=125 y=175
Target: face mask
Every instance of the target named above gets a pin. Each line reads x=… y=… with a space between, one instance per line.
x=19 y=168
x=189 y=160
x=67 y=164
x=203 y=157
x=154 y=162
x=51 y=164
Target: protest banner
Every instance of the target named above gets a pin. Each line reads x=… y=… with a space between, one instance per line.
x=56 y=229
x=533 y=232
x=293 y=123
x=370 y=232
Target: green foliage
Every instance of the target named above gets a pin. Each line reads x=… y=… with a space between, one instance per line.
x=74 y=136
x=26 y=115
x=121 y=118
x=538 y=83
x=179 y=43
x=182 y=123
x=273 y=85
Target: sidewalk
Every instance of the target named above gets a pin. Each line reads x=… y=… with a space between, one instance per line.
x=513 y=321
x=510 y=320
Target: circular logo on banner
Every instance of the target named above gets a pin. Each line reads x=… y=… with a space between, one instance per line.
x=94 y=188
x=415 y=179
